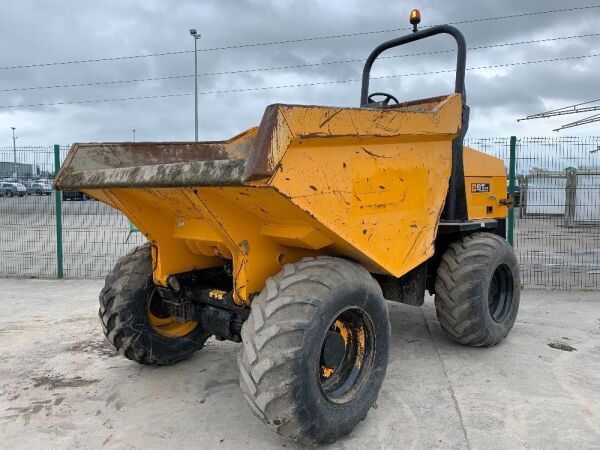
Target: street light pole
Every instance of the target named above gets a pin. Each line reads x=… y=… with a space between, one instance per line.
x=196 y=36
x=14 y=153
x=133 y=134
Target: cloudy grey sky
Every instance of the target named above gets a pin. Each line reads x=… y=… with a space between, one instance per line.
x=38 y=32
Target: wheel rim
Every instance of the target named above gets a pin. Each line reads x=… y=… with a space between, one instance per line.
x=347 y=352
x=500 y=295
x=165 y=324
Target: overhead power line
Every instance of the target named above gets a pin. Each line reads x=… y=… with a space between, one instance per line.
x=317 y=83
x=292 y=41
x=294 y=66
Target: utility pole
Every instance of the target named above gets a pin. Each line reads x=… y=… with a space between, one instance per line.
x=196 y=36
x=14 y=153
x=133 y=134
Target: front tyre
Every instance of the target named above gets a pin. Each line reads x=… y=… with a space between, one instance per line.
x=315 y=349
x=477 y=290
x=134 y=320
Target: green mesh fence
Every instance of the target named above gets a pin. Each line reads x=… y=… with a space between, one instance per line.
x=557 y=216
x=94 y=235
x=556 y=219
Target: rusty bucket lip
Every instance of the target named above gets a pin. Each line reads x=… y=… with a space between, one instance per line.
x=156 y=164
x=227 y=172
x=250 y=156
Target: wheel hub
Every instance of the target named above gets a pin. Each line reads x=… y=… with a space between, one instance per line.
x=163 y=322
x=348 y=347
x=500 y=295
x=334 y=349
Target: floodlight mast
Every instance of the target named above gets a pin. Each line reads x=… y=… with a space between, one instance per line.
x=196 y=36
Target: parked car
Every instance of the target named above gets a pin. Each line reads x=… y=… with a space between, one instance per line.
x=7 y=190
x=21 y=189
x=39 y=189
x=74 y=195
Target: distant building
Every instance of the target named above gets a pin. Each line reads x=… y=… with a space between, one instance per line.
x=7 y=169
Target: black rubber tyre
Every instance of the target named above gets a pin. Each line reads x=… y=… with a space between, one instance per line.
x=281 y=365
x=124 y=303
x=477 y=290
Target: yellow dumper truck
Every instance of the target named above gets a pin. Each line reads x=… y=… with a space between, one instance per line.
x=290 y=237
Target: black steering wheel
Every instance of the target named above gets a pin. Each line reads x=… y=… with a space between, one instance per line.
x=385 y=101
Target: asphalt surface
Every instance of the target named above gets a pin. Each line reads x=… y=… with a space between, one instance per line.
x=62 y=386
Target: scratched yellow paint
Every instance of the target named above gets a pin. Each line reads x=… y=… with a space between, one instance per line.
x=385 y=183
x=484 y=169
x=383 y=200
x=363 y=184
x=428 y=120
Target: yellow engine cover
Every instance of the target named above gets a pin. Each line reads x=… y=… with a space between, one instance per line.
x=485 y=185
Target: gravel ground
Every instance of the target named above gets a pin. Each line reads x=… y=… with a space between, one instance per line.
x=62 y=386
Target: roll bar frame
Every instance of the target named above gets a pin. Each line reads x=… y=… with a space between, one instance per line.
x=455 y=208
x=461 y=60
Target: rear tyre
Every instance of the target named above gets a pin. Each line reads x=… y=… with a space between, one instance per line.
x=315 y=349
x=477 y=290
x=133 y=320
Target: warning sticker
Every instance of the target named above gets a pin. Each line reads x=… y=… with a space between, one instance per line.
x=480 y=187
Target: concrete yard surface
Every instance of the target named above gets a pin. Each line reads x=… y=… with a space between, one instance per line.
x=63 y=386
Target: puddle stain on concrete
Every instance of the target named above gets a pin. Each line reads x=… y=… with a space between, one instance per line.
x=562 y=346
x=94 y=347
x=34 y=408
x=53 y=382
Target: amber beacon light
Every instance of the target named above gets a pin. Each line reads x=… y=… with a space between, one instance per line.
x=415 y=19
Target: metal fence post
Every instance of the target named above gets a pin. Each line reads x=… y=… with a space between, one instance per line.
x=570 y=197
x=511 y=188
x=58 y=213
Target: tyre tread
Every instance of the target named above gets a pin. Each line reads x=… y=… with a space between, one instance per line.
x=115 y=311
x=465 y=261
x=264 y=365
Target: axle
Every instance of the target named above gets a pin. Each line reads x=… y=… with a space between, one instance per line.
x=213 y=309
